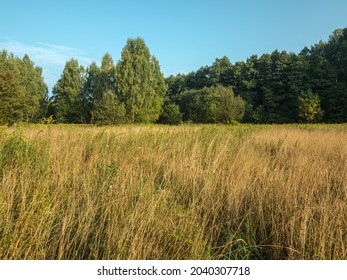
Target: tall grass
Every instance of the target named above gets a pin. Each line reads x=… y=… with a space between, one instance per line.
x=186 y=192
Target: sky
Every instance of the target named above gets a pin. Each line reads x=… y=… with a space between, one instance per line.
x=183 y=34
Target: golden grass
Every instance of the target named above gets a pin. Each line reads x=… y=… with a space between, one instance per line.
x=185 y=192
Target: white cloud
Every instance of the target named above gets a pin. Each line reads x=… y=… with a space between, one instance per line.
x=51 y=58
x=45 y=53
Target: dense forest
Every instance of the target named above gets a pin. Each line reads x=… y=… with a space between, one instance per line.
x=280 y=87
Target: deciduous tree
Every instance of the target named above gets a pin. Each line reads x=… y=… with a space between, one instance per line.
x=139 y=83
x=66 y=93
x=23 y=92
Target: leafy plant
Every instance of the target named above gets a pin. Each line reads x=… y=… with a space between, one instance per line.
x=309 y=109
x=171 y=114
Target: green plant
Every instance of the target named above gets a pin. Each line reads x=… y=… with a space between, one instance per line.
x=48 y=120
x=171 y=114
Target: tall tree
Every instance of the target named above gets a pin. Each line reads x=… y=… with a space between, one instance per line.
x=327 y=75
x=107 y=74
x=336 y=52
x=139 y=82
x=23 y=92
x=99 y=84
x=203 y=77
x=221 y=71
x=105 y=105
x=11 y=99
x=176 y=84
x=90 y=91
x=67 y=93
x=35 y=88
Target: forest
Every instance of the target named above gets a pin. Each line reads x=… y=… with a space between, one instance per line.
x=280 y=87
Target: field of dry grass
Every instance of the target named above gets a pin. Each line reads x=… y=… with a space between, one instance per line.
x=180 y=192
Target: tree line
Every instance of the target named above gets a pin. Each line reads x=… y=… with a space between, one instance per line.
x=279 y=87
x=133 y=90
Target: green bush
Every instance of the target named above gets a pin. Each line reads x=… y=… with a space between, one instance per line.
x=231 y=106
x=309 y=109
x=171 y=114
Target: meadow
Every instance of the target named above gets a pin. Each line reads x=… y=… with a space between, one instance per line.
x=173 y=192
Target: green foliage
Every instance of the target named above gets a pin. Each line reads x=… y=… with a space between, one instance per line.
x=221 y=71
x=231 y=107
x=176 y=84
x=99 y=94
x=258 y=114
x=211 y=105
x=35 y=88
x=309 y=109
x=91 y=91
x=133 y=91
x=140 y=84
x=23 y=93
x=171 y=114
x=334 y=103
x=108 y=110
x=272 y=83
x=66 y=93
x=199 y=105
x=11 y=99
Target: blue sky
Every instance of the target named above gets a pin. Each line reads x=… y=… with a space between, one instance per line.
x=183 y=34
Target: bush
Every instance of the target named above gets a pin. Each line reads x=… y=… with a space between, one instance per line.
x=309 y=109
x=108 y=110
x=231 y=107
x=171 y=114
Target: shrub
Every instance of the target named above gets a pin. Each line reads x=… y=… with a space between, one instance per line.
x=171 y=114
x=309 y=109
x=231 y=107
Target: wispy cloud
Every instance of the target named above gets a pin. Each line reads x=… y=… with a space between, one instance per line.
x=45 y=53
x=51 y=58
